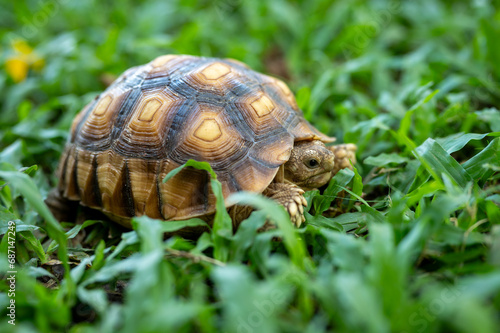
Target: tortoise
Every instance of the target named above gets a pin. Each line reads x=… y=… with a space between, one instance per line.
x=157 y=116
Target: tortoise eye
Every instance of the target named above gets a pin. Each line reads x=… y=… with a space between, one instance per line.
x=312 y=163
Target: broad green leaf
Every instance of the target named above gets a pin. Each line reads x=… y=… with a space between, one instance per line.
x=491 y=116
x=309 y=196
x=451 y=144
x=347 y=253
x=34 y=243
x=246 y=233
x=38 y=272
x=6 y=216
x=303 y=97
x=429 y=220
x=387 y=270
x=321 y=221
x=191 y=163
x=94 y=297
x=360 y=303
x=172 y=226
x=351 y=221
x=337 y=183
x=381 y=121
x=242 y=294
x=489 y=155
x=494 y=253
x=357 y=187
x=319 y=93
x=113 y=269
x=492 y=211
x=385 y=159
x=79 y=271
x=150 y=233
x=372 y=214
x=426 y=190
x=98 y=260
x=437 y=162
x=222 y=226
x=481 y=286
x=457 y=141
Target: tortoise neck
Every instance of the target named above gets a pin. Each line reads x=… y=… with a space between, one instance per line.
x=280 y=175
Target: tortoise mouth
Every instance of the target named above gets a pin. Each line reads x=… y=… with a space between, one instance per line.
x=317 y=180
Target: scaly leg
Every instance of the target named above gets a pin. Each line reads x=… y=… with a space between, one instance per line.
x=289 y=196
x=344 y=153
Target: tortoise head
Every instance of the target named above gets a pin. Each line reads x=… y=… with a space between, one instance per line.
x=310 y=164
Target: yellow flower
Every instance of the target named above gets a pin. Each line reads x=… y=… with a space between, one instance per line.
x=17 y=69
x=18 y=65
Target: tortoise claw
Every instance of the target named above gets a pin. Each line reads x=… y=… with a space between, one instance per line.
x=291 y=198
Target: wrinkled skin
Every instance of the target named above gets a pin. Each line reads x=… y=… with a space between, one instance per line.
x=310 y=165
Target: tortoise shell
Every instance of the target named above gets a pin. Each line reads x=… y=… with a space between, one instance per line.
x=156 y=117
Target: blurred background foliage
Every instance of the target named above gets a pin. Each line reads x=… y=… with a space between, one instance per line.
x=388 y=75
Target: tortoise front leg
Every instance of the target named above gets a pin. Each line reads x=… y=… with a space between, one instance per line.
x=344 y=155
x=289 y=196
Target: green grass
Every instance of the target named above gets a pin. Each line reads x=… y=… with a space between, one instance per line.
x=408 y=242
